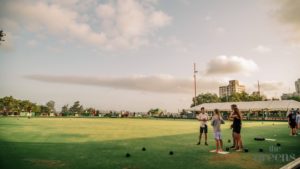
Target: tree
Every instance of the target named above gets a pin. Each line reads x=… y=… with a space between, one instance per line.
x=65 y=110
x=25 y=105
x=45 y=110
x=2 y=34
x=76 y=108
x=51 y=106
x=297 y=98
x=206 y=98
x=155 y=112
x=238 y=97
x=8 y=104
x=89 y=111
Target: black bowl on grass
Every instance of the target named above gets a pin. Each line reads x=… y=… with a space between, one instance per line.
x=127 y=155
x=171 y=152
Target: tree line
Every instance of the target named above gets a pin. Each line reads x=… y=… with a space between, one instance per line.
x=10 y=105
x=236 y=97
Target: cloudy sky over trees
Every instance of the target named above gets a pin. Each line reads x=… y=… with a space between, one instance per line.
x=139 y=54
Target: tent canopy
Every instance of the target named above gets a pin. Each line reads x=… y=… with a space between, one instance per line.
x=273 y=105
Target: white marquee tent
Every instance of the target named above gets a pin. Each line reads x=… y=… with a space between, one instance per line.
x=273 y=105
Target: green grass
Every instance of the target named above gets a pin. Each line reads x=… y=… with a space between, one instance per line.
x=102 y=143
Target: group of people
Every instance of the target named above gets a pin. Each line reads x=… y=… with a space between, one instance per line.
x=294 y=121
x=216 y=122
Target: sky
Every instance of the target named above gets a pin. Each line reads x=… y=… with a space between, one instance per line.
x=138 y=54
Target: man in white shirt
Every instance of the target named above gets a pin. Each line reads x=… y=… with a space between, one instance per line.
x=203 y=118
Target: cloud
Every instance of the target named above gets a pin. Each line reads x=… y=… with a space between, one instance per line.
x=289 y=14
x=271 y=86
x=128 y=23
x=262 y=49
x=112 y=25
x=155 y=83
x=41 y=16
x=229 y=65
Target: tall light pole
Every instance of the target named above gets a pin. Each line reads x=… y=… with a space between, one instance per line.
x=195 y=84
x=258 y=88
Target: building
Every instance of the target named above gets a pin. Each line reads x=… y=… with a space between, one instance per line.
x=233 y=87
x=297 y=86
x=286 y=96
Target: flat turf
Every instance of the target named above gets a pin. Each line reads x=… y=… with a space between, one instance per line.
x=103 y=143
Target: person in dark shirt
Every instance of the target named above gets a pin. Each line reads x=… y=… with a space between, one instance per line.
x=231 y=126
x=292 y=122
x=236 y=128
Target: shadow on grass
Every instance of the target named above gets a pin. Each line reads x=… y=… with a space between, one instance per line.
x=111 y=154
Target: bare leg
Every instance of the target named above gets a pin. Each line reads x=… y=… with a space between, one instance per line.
x=217 y=145
x=236 y=141
x=233 y=140
x=200 y=136
x=240 y=142
x=221 y=144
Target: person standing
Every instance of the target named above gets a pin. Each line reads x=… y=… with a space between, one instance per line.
x=237 y=126
x=298 y=120
x=292 y=122
x=203 y=118
x=231 y=126
x=216 y=122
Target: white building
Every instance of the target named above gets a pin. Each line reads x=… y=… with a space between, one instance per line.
x=233 y=87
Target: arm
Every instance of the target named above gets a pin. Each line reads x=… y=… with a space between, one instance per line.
x=222 y=121
x=231 y=116
x=212 y=121
x=198 y=118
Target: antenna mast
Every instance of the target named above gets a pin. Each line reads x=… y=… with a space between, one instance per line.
x=195 y=84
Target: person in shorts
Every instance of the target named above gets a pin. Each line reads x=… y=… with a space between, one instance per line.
x=216 y=122
x=236 y=116
x=203 y=118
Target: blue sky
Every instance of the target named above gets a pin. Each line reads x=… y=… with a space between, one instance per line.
x=136 y=55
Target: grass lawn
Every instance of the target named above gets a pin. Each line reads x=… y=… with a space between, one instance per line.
x=102 y=143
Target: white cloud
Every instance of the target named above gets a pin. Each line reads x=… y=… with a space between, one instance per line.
x=105 y=11
x=115 y=24
x=232 y=64
x=128 y=23
x=155 y=83
x=262 y=49
x=53 y=18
